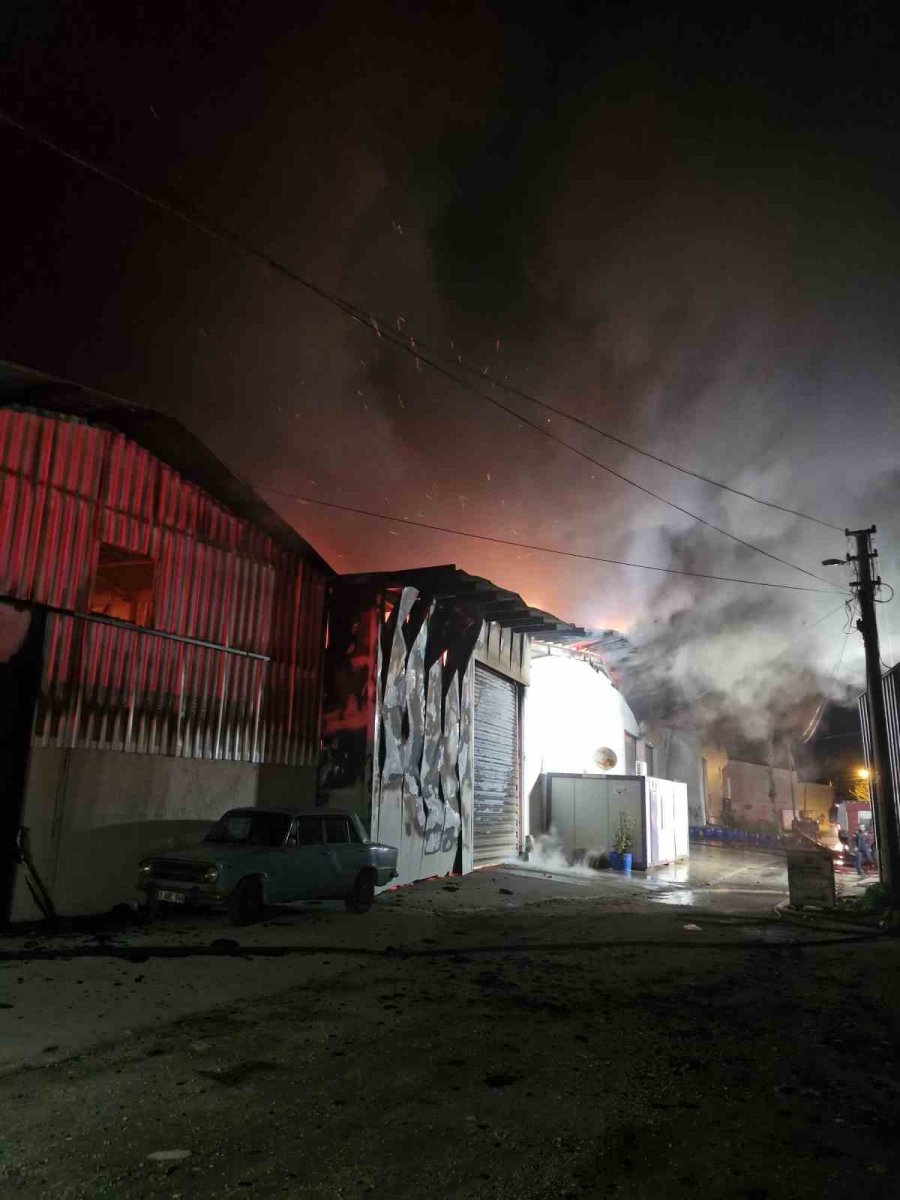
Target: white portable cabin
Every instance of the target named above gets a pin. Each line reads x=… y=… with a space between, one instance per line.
x=585 y=809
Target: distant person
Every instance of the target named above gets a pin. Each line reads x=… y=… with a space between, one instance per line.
x=862 y=853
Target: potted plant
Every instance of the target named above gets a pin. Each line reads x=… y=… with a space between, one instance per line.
x=623 y=844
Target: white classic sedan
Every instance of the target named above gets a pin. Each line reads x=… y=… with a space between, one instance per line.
x=257 y=856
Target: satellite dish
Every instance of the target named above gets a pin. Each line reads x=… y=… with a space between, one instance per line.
x=605 y=758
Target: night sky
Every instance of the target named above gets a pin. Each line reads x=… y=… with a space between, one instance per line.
x=686 y=233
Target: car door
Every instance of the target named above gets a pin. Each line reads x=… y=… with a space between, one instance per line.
x=305 y=873
x=263 y=852
x=346 y=854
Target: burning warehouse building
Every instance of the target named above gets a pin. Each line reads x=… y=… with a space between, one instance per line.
x=425 y=678
x=163 y=641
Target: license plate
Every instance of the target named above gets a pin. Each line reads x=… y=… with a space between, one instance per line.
x=171 y=897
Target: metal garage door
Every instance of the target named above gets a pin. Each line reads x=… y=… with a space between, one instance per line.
x=496 y=811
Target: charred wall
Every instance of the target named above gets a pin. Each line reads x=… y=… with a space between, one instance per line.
x=397 y=722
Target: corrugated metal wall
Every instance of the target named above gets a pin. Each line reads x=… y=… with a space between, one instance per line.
x=890 y=683
x=65 y=488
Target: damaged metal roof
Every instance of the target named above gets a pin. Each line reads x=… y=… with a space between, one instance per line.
x=164 y=436
x=475 y=595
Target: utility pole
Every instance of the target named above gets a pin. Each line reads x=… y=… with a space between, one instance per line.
x=882 y=784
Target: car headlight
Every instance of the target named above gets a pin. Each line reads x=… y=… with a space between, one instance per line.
x=211 y=874
x=146 y=867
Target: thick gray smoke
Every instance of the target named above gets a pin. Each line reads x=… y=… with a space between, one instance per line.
x=677 y=260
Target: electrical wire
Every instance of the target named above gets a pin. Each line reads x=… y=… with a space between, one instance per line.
x=766 y=663
x=831 y=737
x=816 y=719
x=520 y=418
x=483 y=537
x=221 y=233
x=612 y=437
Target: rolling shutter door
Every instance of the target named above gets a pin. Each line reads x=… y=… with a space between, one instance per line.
x=496 y=809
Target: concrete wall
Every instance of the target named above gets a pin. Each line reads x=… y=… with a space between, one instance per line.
x=815 y=798
x=749 y=785
x=571 y=710
x=94 y=814
x=716 y=760
x=678 y=756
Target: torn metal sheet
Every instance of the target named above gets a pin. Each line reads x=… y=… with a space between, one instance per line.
x=432 y=760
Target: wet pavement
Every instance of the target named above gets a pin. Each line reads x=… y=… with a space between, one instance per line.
x=711 y=877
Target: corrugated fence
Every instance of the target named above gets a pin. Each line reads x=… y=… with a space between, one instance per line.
x=890 y=683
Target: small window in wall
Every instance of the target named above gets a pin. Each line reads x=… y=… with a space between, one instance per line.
x=123 y=586
x=649 y=759
x=630 y=754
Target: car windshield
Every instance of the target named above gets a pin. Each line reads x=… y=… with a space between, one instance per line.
x=250 y=829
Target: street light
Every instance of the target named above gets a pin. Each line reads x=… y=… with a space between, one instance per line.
x=863 y=773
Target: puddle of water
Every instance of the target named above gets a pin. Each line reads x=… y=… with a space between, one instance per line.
x=682 y=899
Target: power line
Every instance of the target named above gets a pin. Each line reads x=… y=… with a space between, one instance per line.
x=519 y=417
x=612 y=437
x=766 y=662
x=484 y=537
x=819 y=712
x=223 y=234
x=830 y=737
x=481 y=537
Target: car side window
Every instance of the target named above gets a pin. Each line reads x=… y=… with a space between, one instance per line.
x=309 y=831
x=336 y=830
x=354 y=833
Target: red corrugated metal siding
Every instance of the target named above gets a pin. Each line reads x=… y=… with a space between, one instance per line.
x=65 y=487
x=50 y=474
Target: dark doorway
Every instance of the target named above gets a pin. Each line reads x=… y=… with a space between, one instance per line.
x=21 y=659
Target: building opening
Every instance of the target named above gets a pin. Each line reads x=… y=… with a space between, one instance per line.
x=123 y=586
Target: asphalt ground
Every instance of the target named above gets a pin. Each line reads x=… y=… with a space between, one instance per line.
x=513 y=1033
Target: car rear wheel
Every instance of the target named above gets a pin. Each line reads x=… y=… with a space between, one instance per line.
x=246 y=903
x=362 y=894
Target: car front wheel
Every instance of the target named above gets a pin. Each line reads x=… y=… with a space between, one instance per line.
x=362 y=894
x=246 y=903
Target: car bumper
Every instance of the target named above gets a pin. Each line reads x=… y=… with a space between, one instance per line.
x=194 y=893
